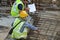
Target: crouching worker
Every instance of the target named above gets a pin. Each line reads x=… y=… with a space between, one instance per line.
x=21 y=27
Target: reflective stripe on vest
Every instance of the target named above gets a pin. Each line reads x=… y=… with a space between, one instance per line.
x=16 y=32
x=17 y=20
x=15 y=10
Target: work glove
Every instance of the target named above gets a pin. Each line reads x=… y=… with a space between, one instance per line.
x=27 y=9
x=25 y=2
x=37 y=31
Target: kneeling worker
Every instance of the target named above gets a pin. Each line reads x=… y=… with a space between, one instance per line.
x=21 y=27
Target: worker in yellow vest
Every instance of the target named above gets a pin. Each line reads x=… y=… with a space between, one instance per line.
x=21 y=27
x=17 y=7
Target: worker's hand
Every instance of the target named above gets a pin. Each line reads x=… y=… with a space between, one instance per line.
x=25 y=2
x=37 y=31
x=27 y=9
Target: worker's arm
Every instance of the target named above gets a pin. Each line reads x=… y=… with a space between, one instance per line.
x=30 y=26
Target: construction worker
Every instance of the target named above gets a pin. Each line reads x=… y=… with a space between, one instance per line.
x=17 y=7
x=21 y=27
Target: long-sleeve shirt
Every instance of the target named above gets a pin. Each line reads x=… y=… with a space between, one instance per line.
x=29 y=26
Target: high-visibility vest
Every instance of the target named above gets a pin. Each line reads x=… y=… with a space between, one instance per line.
x=15 y=10
x=16 y=31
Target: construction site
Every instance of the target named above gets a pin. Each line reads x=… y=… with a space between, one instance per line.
x=46 y=18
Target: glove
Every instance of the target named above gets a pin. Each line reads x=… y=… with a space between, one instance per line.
x=27 y=9
x=37 y=31
x=25 y=2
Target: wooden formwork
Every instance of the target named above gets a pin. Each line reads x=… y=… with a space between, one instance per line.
x=40 y=4
x=48 y=29
x=47 y=5
x=49 y=24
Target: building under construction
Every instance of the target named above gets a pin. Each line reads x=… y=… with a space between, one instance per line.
x=46 y=18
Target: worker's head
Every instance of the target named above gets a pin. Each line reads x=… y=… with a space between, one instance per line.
x=23 y=14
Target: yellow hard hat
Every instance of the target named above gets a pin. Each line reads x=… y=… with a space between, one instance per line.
x=23 y=14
